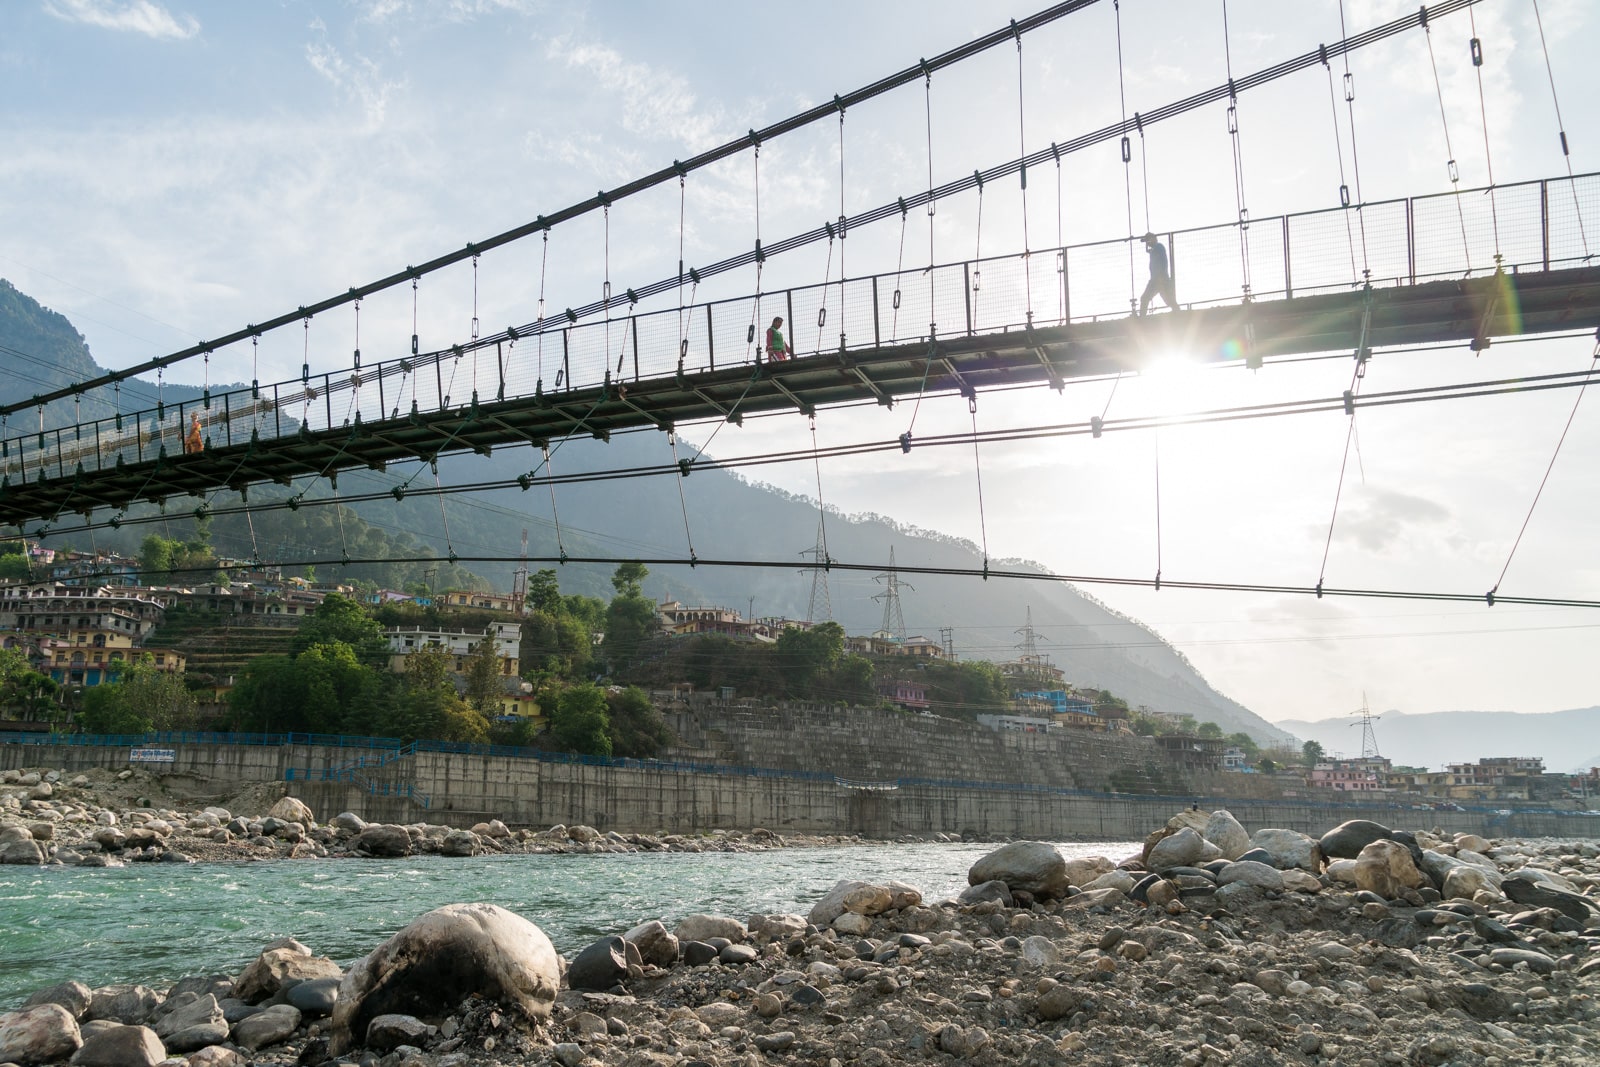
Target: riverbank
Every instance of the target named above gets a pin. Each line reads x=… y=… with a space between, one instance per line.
x=105 y=818
x=1210 y=945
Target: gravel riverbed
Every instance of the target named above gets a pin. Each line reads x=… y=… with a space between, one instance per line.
x=1211 y=945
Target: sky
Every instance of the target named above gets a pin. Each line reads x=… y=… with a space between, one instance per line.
x=173 y=170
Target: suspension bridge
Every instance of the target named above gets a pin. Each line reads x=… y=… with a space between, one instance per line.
x=1464 y=266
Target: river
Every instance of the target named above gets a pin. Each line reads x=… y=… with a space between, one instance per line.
x=154 y=922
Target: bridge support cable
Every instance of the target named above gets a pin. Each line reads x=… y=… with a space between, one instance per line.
x=760 y=259
x=977 y=467
x=1061 y=247
x=824 y=559
x=1155 y=437
x=932 y=199
x=1358 y=376
x=1476 y=49
x=1355 y=157
x=1444 y=121
x=843 y=225
x=1127 y=161
x=1344 y=188
x=1022 y=153
x=544 y=263
x=904 y=77
x=1494 y=592
x=683 y=502
x=1238 y=155
x=1566 y=152
x=977 y=268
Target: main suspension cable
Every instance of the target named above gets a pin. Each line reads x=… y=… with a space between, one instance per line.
x=1455 y=172
x=1566 y=152
x=1476 y=47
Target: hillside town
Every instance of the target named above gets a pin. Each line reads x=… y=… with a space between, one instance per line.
x=81 y=622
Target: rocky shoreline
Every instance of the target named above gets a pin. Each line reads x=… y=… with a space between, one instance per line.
x=108 y=819
x=1211 y=945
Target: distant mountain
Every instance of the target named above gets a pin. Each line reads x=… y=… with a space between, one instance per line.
x=1435 y=738
x=729 y=518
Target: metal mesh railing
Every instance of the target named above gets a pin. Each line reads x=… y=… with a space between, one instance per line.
x=1536 y=225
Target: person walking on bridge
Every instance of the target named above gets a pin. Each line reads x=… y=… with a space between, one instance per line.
x=195 y=442
x=777 y=347
x=1160 y=276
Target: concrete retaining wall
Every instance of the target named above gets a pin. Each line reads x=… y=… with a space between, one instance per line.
x=463 y=790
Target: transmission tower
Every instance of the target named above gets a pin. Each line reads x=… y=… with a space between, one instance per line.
x=519 y=578
x=947 y=638
x=1030 y=642
x=1369 y=739
x=894 y=622
x=819 y=580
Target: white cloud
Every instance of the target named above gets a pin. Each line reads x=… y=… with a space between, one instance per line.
x=138 y=16
x=658 y=104
x=361 y=80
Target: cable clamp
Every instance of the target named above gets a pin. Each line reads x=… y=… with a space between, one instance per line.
x=1096 y=425
x=1158 y=581
x=1489 y=596
x=683 y=467
x=905 y=443
x=1349 y=402
x=1319 y=588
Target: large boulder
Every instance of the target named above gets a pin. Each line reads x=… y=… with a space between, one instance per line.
x=130 y=1005
x=1524 y=889
x=1467 y=881
x=441 y=958
x=1082 y=871
x=1183 y=848
x=382 y=840
x=862 y=898
x=1386 y=868
x=656 y=944
x=42 y=1033
x=1288 y=848
x=1226 y=832
x=120 y=1046
x=291 y=809
x=193 y=1026
x=277 y=967
x=600 y=966
x=1345 y=841
x=1030 y=866
x=700 y=927
x=1190 y=818
x=74 y=996
x=18 y=846
x=267 y=1027
x=1249 y=872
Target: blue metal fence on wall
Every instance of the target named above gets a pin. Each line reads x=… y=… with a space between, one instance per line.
x=394 y=748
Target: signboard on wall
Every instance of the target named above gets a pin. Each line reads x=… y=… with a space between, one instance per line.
x=153 y=755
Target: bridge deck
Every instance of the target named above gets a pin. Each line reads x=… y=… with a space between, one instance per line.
x=1433 y=312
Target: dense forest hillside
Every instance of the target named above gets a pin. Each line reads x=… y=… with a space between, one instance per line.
x=729 y=518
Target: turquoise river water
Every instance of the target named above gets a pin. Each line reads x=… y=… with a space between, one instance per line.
x=154 y=923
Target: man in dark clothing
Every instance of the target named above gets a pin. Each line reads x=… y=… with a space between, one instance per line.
x=1160 y=276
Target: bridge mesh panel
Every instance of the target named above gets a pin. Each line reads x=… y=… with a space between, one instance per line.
x=1097 y=279
x=1570 y=201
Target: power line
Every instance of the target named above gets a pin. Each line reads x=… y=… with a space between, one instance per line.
x=949 y=572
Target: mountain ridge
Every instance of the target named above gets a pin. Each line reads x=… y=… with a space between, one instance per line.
x=1432 y=739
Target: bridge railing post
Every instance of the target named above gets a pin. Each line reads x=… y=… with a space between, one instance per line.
x=1411 y=240
x=1544 y=221
x=1288 y=272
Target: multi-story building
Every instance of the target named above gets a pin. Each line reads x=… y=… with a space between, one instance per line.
x=505 y=602
x=1346 y=776
x=458 y=645
x=82 y=636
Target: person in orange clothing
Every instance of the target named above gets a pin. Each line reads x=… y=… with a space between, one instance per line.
x=194 y=442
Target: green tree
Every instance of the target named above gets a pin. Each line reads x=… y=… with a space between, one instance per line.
x=1311 y=752
x=630 y=621
x=142 y=699
x=340 y=619
x=637 y=729
x=1266 y=766
x=628 y=579
x=484 y=685
x=544 y=592
x=14 y=568
x=1209 y=729
x=579 y=722
x=804 y=656
x=1145 y=727
x=24 y=692
x=1246 y=744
